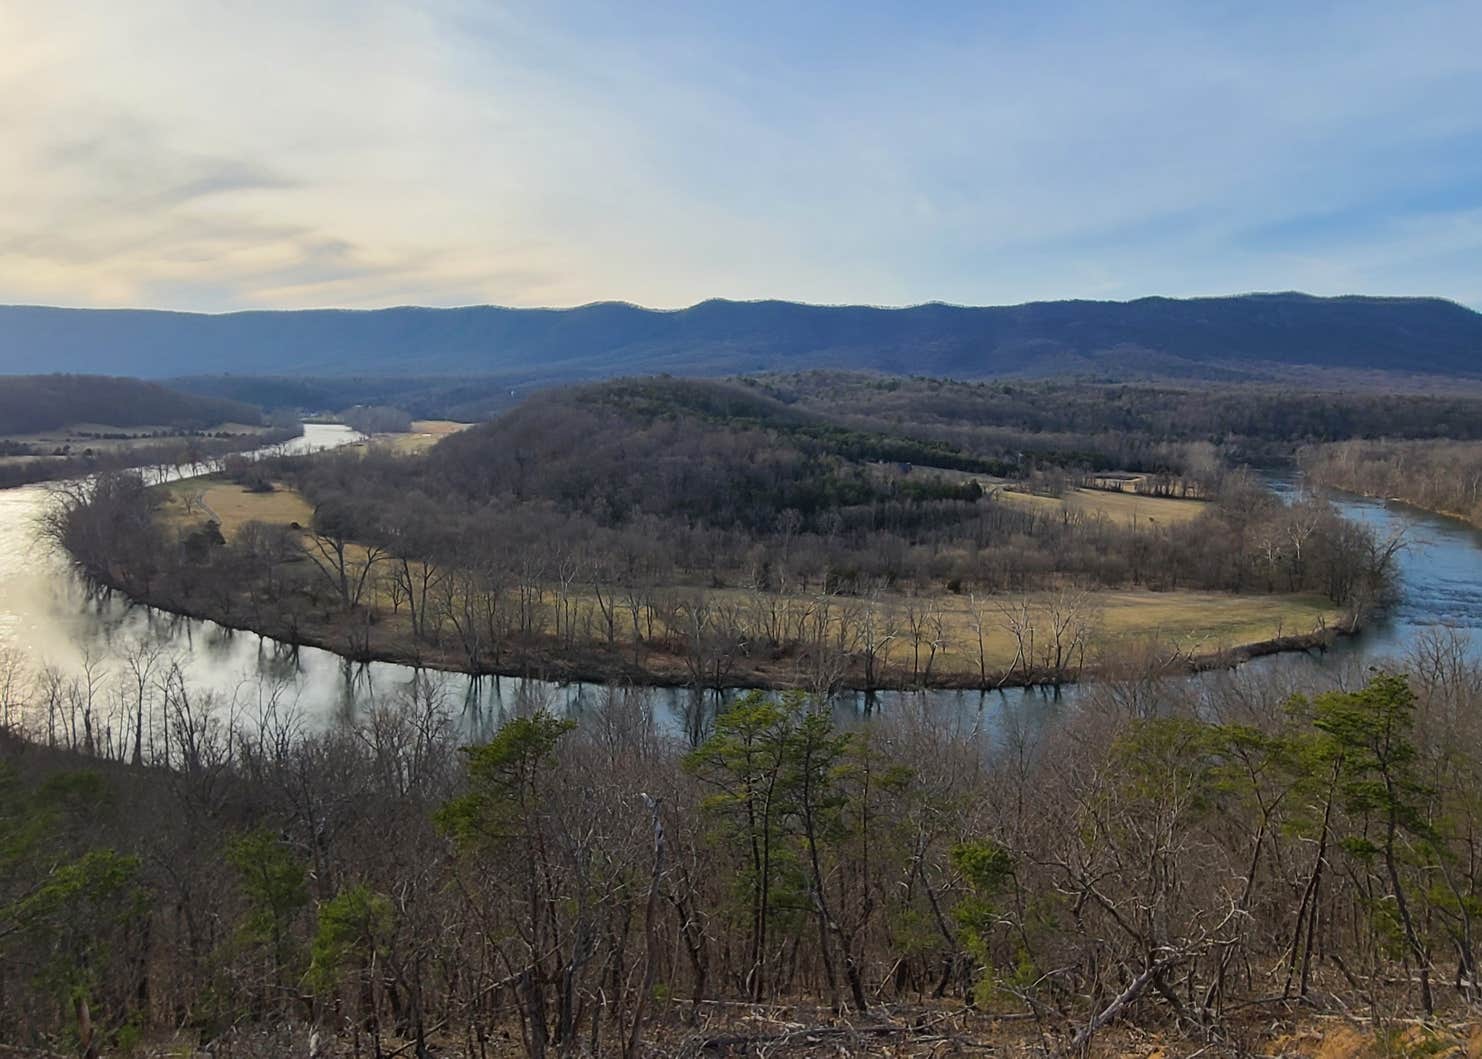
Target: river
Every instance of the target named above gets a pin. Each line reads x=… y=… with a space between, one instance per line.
x=49 y=616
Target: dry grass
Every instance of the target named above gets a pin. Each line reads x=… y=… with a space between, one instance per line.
x=926 y=1030
x=232 y=505
x=403 y=444
x=1192 y=621
x=1120 y=507
x=438 y=427
x=1123 y=507
x=1203 y=620
x=1338 y=1039
x=425 y=433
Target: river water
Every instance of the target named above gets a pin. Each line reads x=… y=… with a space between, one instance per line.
x=50 y=618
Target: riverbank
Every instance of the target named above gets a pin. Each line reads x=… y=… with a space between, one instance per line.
x=1440 y=477
x=178 y=449
x=48 y=615
x=372 y=638
x=1403 y=501
x=236 y=555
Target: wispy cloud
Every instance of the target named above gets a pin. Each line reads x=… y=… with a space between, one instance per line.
x=220 y=155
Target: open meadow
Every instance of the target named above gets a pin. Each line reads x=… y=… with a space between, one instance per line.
x=1126 y=508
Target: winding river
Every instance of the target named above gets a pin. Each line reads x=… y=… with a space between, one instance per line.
x=50 y=617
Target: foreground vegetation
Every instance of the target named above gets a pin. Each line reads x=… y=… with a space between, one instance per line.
x=1207 y=866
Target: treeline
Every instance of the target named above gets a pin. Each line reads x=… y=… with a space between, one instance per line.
x=1130 y=426
x=467 y=397
x=869 y=597
x=715 y=484
x=1135 y=425
x=1442 y=476
x=185 y=450
x=1207 y=865
x=377 y=419
x=33 y=403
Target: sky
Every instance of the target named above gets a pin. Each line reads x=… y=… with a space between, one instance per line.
x=213 y=156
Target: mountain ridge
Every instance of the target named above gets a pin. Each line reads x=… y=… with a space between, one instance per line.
x=721 y=336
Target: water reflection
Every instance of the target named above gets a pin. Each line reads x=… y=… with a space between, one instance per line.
x=50 y=616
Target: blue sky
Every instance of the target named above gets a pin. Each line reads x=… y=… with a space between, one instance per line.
x=289 y=153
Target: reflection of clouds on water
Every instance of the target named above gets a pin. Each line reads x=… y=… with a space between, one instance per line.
x=1439 y=571
x=48 y=613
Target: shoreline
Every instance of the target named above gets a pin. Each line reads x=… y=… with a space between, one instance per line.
x=573 y=666
x=78 y=468
x=1435 y=512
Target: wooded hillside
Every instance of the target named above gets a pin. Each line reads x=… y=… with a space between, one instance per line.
x=33 y=403
x=1209 y=871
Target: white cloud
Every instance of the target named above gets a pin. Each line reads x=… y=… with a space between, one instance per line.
x=222 y=155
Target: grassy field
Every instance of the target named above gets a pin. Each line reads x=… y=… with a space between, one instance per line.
x=1201 y=621
x=75 y=439
x=1194 y=622
x=1120 y=507
x=1188 y=623
x=1124 y=507
x=232 y=505
x=424 y=434
x=438 y=427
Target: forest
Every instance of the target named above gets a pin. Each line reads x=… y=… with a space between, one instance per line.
x=1266 y=419
x=1197 y=870
x=1444 y=476
x=1211 y=865
x=713 y=534
x=1133 y=422
x=466 y=397
x=30 y=404
x=66 y=426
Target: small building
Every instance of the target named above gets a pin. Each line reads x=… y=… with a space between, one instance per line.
x=1115 y=481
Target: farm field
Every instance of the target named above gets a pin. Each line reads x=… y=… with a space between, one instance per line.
x=196 y=499
x=1125 y=508
x=424 y=434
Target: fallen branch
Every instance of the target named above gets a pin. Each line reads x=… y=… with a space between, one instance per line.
x=1132 y=992
x=722 y=1044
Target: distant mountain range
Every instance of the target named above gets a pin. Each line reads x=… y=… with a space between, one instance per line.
x=1249 y=336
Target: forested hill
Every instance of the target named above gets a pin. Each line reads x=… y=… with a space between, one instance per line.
x=660 y=444
x=1245 y=336
x=699 y=451
x=32 y=403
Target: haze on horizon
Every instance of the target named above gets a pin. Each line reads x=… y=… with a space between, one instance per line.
x=216 y=156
